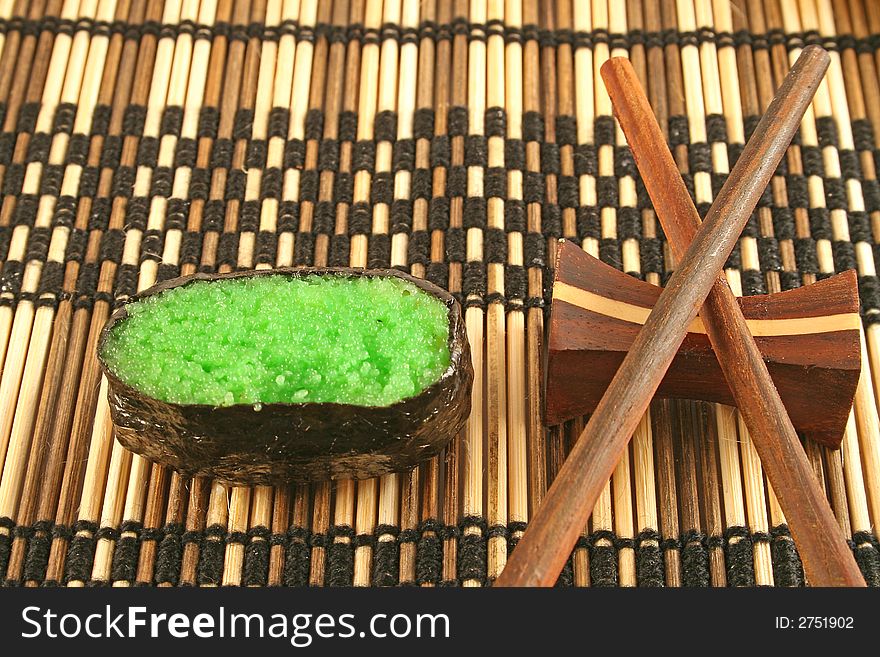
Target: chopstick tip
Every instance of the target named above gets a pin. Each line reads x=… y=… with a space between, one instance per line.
x=816 y=52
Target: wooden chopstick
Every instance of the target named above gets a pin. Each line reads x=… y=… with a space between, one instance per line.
x=546 y=544
x=827 y=559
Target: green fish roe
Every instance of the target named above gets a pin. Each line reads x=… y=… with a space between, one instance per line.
x=367 y=341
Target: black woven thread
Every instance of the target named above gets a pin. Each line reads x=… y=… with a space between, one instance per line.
x=19 y=533
x=81 y=552
x=430 y=30
x=869 y=298
x=739 y=555
x=865 y=549
x=169 y=555
x=472 y=549
x=5 y=544
x=340 y=556
x=566 y=577
x=256 y=556
x=694 y=559
x=10 y=282
x=386 y=556
x=297 y=557
x=37 y=558
x=787 y=568
x=213 y=550
x=125 y=557
x=649 y=559
x=515 y=530
x=429 y=553
x=603 y=559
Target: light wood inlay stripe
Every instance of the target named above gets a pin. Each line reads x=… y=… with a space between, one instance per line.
x=634 y=314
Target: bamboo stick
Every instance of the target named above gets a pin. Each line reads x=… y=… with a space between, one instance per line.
x=236 y=569
x=827 y=104
x=452 y=89
x=388 y=554
x=585 y=115
x=285 y=256
x=377 y=73
x=497 y=511
x=863 y=97
x=424 y=478
x=182 y=494
x=748 y=103
x=473 y=457
x=21 y=447
x=517 y=375
x=329 y=565
x=697 y=96
x=147 y=483
x=845 y=115
x=52 y=428
x=16 y=52
x=396 y=88
x=602 y=520
x=249 y=507
x=691 y=434
x=702 y=571
x=534 y=320
x=227 y=509
x=338 y=82
x=248 y=225
x=6 y=9
x=541 y=88
x=692 y=16
x=451 y=49
x=207 y=217
x=712 y=90
x=647 y=542
x=163 y=484
x=622 y=481
x=331 y=99
x=558 y=442
x=661 y=409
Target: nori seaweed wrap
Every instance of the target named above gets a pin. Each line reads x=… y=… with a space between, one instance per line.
x=277 y=442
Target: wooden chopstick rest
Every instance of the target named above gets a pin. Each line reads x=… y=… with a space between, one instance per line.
x=808 y=336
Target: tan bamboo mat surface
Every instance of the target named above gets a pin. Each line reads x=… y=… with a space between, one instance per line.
x=144 y=139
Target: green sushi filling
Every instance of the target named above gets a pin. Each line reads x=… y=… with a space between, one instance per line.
x=367 y=341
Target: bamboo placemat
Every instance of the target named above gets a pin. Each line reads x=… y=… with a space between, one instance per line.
x=143 y=139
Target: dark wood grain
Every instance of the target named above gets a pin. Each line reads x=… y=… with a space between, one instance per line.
x=547 y=543
x=816 y=373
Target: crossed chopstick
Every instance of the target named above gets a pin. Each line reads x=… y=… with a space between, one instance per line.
x=541 y=553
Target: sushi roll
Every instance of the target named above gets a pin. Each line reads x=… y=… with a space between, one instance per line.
x=288 y=375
